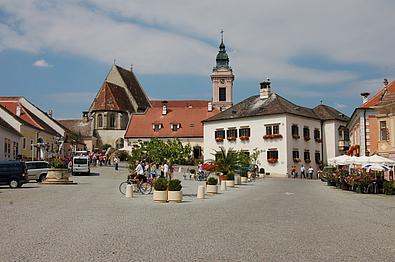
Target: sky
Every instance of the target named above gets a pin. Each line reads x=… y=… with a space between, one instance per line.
x=58 y=53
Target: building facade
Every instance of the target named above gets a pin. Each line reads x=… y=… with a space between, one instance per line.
x=285 y=133
x=10 y=141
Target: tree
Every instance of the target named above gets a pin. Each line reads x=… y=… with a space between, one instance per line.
x=226 y=161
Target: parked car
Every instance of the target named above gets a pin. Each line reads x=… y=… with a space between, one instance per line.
x=37 y=170
x=13 y=173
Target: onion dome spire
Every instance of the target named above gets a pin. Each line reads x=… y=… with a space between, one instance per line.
x=222 y=57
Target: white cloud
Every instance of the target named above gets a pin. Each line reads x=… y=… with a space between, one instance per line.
x=172 y=37
x=42 y=63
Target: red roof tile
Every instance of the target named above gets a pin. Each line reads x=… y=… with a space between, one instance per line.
x=188 y=113
x=378 y=96
x=11 y=104
x=112 y=97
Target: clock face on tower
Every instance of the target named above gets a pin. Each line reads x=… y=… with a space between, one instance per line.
x=222 y=81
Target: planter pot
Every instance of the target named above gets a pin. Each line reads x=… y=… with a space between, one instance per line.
x=212 y=189
x=174 y=196
x=243 y=180
x=230 y=183
x=58 y=176
x=222 y=177
x=160 y=196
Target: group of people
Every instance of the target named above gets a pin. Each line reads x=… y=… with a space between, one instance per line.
x=100 y=159
x=308 y=174
x=144 y=170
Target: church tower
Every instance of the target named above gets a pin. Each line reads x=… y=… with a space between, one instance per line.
x=222 y=79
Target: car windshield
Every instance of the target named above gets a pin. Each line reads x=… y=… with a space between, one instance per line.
x=80 y=161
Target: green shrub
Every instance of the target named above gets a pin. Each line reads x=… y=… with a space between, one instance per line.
x=175 y=185
x=230 y=176
x=122 y=155
x=389 y=188
x=192 y=171
x=212 y=181
x=160 y=184
x=58 y=163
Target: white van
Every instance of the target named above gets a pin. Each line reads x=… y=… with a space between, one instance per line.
x=81 y=165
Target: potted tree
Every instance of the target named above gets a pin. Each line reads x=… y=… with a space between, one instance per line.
x=58 y=173
x=212 y=187
x=244 y=177
x=174 y=191
x=230 y=179
x=160 y=190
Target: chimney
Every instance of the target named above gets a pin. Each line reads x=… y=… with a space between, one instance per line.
x=50 y=113
x=210 y=106
x=164 y=108
x=365 y=96
x=265 y=89
x=18 y=111
x=385 y=82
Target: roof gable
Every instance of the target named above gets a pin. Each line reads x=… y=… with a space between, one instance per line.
x=112 y=97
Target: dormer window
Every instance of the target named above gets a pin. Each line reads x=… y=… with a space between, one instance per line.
x=156 y=127
x=175 y=126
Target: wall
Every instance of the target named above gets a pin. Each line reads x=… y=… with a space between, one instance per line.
x=5 y=134
x=258 y=130
x=373 y=134
x=301 y=144
x=109 y=136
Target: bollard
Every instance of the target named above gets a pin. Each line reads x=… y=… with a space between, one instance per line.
x=129 y=191
x=200 y=193
x=223 y=185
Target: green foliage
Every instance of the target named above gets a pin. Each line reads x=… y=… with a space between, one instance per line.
x=389 y=188
x=157 y=151
x=212 y=181
x=230 y=176
x=122 y=155
x=226 y=161
x=175 y=185
x=105 y=146
x=160 y=184
x=254 y=156
x=192 y=171
x=58 y=163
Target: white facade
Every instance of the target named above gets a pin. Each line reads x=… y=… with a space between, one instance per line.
x=10 y=145
x=285 y=145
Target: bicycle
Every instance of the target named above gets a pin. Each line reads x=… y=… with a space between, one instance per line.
x=144 y=187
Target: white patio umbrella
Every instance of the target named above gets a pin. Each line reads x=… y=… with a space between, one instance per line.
x=361 y=160
x=339 y=160
x=376 y=167
x=352 y=160
x=381 y=160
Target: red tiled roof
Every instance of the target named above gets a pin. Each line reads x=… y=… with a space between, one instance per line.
x=112 y=97
x=11 y=104
x=188 y=113
x=378 y=96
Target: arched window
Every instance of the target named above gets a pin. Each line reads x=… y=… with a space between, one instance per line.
x=112 y=120
x=99 y=120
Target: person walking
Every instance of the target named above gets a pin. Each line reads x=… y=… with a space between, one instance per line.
x=302 y=172
x=116 y=163
x=293 y=172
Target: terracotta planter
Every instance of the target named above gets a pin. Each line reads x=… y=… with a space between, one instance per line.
x=230 y=183
x=222 y=177
x=174 y=196
x=243 y=180
x=212 y=189
x=160 y=196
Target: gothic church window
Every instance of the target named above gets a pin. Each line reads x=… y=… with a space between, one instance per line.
x=99 y=120
x=112 y=120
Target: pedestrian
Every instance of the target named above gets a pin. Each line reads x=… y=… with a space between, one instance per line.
x=94 y=158
x=116 y=163
x=293 y=172
x=139 y=170
x=311 y=172
x=166 y=172
x=302 y=172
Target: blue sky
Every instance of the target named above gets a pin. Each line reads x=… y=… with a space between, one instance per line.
x=57 y=53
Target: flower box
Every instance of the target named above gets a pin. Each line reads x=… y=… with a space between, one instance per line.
x=244 y=138
x=219 y=139
x=306 y=138
x=272 y=160
x=273 y=136
x=307 y=161
x=231 y=138
x=296 y=160
x=318 y=140
x=296 y=136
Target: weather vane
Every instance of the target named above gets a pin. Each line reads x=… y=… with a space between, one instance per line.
x=222 y=35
